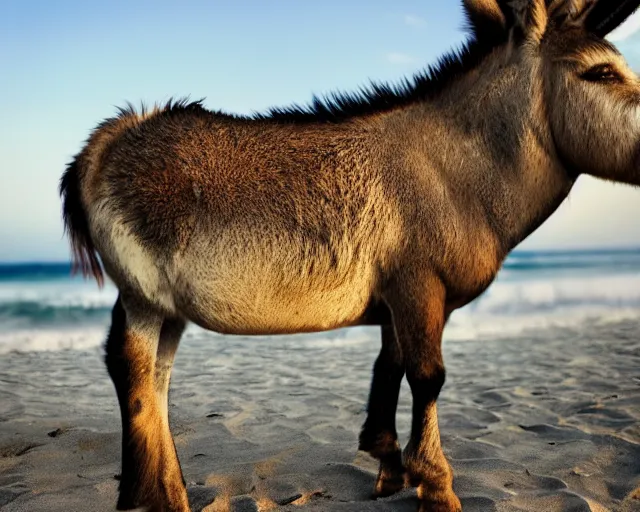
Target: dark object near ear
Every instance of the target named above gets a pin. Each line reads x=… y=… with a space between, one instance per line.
x=608 y=15
x=487 y=19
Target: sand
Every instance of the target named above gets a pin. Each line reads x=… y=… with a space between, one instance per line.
x=546 y=421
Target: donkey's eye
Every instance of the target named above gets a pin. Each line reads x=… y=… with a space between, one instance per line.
x=602 y=73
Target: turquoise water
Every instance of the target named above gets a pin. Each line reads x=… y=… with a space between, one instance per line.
x=43 y=307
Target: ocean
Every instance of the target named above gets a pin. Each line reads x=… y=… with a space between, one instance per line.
x=43 y=308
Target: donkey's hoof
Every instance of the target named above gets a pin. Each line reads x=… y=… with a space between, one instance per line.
x=389 y=484
x=127 y=503
x=127 y=497
x=174 y=500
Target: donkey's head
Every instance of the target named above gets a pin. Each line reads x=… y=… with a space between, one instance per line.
x=590 y=97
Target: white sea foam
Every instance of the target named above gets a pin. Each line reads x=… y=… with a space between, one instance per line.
x=522 y=296
x=59 y=294
x=37 y=340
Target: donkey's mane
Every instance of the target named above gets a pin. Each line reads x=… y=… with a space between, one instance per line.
x=371 y=99
x=381 y=96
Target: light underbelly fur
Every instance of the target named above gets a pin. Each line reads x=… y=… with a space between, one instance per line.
x=238 y=291
x=257 y=296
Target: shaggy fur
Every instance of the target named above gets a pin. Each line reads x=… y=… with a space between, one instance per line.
x=393 y=206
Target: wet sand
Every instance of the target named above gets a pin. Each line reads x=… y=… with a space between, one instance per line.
x=547 y=421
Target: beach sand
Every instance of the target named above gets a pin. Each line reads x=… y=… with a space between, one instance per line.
x=545 y=421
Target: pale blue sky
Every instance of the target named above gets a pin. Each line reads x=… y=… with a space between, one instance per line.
x=67 y=64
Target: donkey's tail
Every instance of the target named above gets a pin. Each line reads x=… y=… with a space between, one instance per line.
x=76 y=225
x=87 y=164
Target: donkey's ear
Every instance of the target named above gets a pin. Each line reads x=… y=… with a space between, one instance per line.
x=606 y=15
x=486 y=18
x=528 y=18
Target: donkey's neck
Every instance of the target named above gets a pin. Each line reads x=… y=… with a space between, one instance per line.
x=488 y=136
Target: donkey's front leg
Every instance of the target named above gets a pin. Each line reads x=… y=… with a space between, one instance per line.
x=151 y=475
x=419 y=317
x=379 y=436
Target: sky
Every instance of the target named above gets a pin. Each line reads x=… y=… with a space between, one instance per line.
x=67 y=64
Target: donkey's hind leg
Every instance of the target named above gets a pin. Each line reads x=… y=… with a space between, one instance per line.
x=379 y=436
x=149 y=475
x=170 y=335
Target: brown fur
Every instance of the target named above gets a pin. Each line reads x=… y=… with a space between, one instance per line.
x=151 y=474
x=394 y=207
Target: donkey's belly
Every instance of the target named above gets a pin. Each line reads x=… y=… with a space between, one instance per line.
x=270 y=302
x=260 y=311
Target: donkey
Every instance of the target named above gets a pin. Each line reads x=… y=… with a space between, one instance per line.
x=392 y=206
